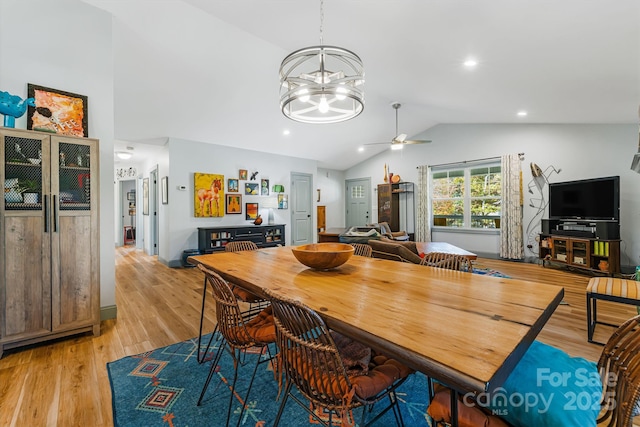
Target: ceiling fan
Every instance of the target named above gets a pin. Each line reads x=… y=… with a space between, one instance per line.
x=401 y=138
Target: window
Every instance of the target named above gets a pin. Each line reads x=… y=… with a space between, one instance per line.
x=467 y=197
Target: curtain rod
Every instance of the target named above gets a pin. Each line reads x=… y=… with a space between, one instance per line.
x=471 y=161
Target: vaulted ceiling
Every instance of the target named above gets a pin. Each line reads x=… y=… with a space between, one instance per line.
x=207 y=70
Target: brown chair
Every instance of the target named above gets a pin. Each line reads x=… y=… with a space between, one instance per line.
x=256 y=303
x=309 y=359
x=238 y=334
x=361 y=249
x=619 y=368
x=448 y=261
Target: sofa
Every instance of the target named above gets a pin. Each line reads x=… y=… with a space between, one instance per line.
x=403 y=251
x=385 y=230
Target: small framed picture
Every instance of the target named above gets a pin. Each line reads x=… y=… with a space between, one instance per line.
x=232 y=185
x=164 y=187
x=242 y=173
x=234 y=203
x=251 y=188
x=131 y=195
x=251 y=210
x=283 y=201
x=264 y=187
x=145 y=196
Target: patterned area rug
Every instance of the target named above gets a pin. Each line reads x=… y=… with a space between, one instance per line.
x=488 y=272
x=162 y=387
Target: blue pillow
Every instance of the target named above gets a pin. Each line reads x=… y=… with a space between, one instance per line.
x=548 y=388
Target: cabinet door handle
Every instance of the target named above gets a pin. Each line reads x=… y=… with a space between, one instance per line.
x=55 y=214
x=46 y=213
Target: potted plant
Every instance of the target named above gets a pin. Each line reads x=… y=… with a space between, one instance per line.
x=29 y=190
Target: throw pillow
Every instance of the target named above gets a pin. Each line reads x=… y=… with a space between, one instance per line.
x=549 y=388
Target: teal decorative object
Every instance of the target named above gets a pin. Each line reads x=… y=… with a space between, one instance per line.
x=12 y=106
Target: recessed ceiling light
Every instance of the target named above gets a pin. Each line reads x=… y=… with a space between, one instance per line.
x=361 y=149
x=124 y=155
x=470 y=63
x=522 y=113
x=286 y=132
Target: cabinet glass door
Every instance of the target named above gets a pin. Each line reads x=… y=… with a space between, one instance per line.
x=73 y=175
x=23 y=174
x=580 y=252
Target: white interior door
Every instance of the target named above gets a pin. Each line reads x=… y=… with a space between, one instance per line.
x=358 y=202
x=301 y=208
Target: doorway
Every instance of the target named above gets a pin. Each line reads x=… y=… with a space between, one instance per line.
x=128 y=212
x=301 y=208
x=358 y=202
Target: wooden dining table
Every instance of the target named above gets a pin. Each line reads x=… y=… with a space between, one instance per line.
x=466 y=330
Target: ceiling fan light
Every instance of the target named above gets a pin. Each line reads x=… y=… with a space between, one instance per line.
x=397 y=146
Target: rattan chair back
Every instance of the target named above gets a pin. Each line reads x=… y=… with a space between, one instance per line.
x=240 y=245
x=448 y=261
x=362 y=249
x=619 y=367
x=231 y=321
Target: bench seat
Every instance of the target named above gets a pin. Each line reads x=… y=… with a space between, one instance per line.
x=609 y=289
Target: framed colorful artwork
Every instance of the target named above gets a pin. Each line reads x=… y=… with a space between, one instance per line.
x=242 y=173
x=251 y=188
x=232 y=185
x=209 y=195
x=56 y=111
x=283 y=201
x=251 y=210
x=234 y=203
x=264 y=187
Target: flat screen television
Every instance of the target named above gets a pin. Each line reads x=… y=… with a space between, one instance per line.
x=597 y=199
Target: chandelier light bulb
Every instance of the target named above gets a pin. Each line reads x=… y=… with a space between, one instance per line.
x=304 y=95
x=323 y=107
x=341 y=93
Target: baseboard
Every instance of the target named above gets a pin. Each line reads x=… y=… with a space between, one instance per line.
x=108 y=312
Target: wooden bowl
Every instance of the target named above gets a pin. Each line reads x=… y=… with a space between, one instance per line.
x=323 y=256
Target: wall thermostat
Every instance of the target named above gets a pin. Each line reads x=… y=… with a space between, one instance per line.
x=182 y=187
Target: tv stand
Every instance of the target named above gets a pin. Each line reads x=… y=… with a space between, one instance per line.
x=584 y=244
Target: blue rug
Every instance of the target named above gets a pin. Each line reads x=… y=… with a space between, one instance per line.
x=162 y=387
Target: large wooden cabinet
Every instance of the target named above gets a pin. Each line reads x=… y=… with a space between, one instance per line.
x=396 y=206
x=49 y=249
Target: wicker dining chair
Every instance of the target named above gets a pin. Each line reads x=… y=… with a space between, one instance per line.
x=309 y=359
x=362 y=249
x=239 y=333
x=256 y=303
x=448 y=261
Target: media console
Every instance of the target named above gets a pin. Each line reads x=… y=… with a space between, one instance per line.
x=585 y=244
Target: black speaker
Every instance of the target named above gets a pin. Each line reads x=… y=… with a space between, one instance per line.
x=549 y=226
x=608 y=230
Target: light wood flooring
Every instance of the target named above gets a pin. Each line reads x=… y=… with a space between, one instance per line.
x=65 y=383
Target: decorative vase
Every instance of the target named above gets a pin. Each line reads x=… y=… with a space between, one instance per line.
x=603 y=265
x=31 y=198
x=386 y=174
x=258 y=220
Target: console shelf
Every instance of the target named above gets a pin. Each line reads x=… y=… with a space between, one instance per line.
x=584 y=253
x=212 y=239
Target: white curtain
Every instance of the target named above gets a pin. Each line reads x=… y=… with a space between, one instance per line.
x=511 y=241
x=423 y=215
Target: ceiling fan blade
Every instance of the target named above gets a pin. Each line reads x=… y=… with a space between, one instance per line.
x=416 y=141
x=376 y=143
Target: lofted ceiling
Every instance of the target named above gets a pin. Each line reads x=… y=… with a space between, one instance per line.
x=207 y=70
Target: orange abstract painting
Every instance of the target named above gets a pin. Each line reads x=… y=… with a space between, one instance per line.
x=58 y=112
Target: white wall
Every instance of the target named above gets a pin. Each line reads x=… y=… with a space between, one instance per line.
x=580 y=151
x=179 y=226
x=67 y=45
x=332 y=195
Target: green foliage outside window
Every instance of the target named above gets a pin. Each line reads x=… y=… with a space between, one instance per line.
x=450 y=200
